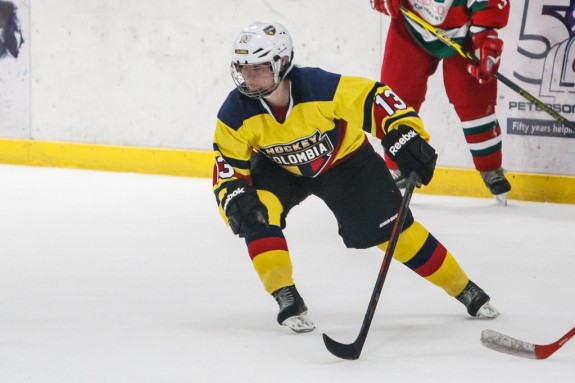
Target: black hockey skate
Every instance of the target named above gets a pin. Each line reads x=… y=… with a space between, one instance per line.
x=497 y=184
x=293 y=311
x=477 y=302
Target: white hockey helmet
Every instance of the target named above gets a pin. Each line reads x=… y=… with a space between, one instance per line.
x=262 y=43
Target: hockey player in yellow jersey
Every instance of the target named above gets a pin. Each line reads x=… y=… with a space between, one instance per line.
x=288 y=132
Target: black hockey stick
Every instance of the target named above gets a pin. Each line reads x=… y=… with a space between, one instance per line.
x=353 y=350
x=449 y=42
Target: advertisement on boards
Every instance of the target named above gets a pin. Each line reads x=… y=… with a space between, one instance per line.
x=546 y=47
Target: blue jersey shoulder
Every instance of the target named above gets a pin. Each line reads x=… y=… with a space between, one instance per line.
x=313 y=84
x=237 y=108
x=307 y=85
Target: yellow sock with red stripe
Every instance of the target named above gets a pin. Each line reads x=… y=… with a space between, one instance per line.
x=271 y=259
x=424 y=254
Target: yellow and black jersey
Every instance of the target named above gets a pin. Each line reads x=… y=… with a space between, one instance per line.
x=326 y=122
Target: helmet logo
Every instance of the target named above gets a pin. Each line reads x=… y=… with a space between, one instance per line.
x=244 y=39
x=270 y=30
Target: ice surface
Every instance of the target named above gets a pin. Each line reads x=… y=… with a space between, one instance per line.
x=117 y=278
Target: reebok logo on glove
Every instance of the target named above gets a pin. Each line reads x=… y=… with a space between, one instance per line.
x=404 y=139
x=247 y=215
x=231 y=196
x=411 y=152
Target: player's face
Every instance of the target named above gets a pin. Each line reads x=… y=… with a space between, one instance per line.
x=257 y=76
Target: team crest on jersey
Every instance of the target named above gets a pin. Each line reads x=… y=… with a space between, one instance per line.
x=314 y=150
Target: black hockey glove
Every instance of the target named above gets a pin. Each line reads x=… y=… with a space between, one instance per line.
x=246 y=214
x=411 y=152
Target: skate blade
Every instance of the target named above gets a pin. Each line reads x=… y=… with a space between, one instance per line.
x=501 y=199
x=299 y=323
x=487 y=312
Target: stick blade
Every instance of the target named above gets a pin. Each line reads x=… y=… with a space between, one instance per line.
x=507 y=345
x=343 y=351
